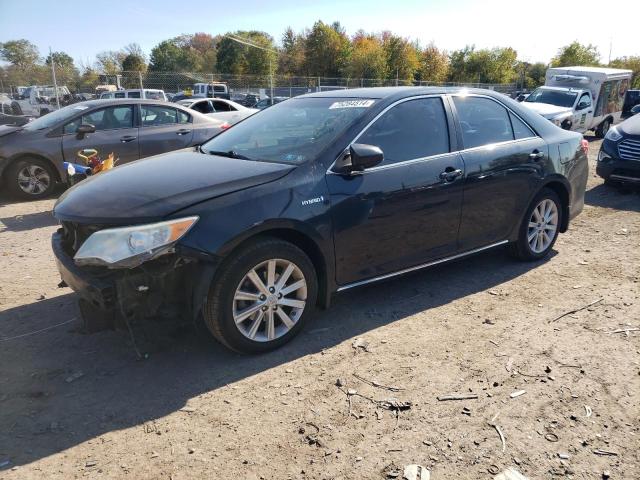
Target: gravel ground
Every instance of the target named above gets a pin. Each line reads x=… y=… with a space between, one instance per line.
x=83 y=406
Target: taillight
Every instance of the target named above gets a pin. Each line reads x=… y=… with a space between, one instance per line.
x=225 y=125
x=585 y=146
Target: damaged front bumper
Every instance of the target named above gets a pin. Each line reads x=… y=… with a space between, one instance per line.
x=174 y=285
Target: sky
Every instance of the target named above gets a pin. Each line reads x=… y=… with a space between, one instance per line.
x=536 y=29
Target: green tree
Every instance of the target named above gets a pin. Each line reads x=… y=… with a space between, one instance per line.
x=327 y=50
x=535 y=75
x=21 y=53
x=238 y=58
x=66 y=71
x=576 y=54
x=110 y=62
x=172 y=56
x=134 y=63
x=292 y=58
x=204 y=45
x=367 y=57
x=434 y=65
x=401 y=57
x=496 y=65
x=629 y=63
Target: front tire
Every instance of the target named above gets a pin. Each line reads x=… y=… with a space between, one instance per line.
x=262 y=296
x=603 y=128
x=540 y=227
x=30 y=178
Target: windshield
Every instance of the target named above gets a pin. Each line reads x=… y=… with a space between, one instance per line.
x=51 y=119
x=559 y=98
x=290 y=132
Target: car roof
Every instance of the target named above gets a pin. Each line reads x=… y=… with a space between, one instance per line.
x=118 y=101
x=606 y=71
x=397 y=92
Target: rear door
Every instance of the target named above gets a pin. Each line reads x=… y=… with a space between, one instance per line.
x=163 y=129
x=504 y=161
x=406 y=211
x=116 y=132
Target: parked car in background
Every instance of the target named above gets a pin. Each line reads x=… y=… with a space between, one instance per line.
x=631 y=99
x=211 y=90
x=100 y=89
x=219 y=108
x=32 y=156
x=266 y=102
x=619 y=156
x=40 y=100
x=149 y=94
x=315 y=195
x=246 y=99
x=581 y=98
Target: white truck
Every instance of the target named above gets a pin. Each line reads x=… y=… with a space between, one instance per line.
x=581 y=98
x=39 y=100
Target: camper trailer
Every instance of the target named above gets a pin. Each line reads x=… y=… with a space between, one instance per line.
x=581 y=98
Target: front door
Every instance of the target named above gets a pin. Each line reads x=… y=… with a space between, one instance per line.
x=406 y=211
x=504 y=162
x=583 y=117
x=115 y=133
x=163 y=129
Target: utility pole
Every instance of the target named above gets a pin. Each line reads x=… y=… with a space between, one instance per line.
x=270 y=50
x=53 y=73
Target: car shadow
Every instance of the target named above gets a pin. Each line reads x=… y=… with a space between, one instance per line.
x=29 y=221
x=60 y=388
x=614 y=197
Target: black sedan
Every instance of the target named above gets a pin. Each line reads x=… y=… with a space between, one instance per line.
x=619 y=156
x=32 y=155
x=318 y=194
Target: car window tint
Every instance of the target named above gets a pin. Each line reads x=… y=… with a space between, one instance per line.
x=410 y=130
x=119 y=95
x=134 y=94
x=183 y=117
x=154 y=115
x=586 y=99
x=109 y=118
x=203 y=107
x=222 y=106
x=482 y=121
x=520 y=129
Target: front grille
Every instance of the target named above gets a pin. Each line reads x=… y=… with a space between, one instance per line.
x=629 y=149
x=75 y=234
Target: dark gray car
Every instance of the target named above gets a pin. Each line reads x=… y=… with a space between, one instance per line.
x=32 y=156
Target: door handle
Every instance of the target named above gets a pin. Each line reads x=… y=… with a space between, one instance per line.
x=183 y=131
x=450 y=174
x=590 y=111
x=536 y=155
x=127 y=138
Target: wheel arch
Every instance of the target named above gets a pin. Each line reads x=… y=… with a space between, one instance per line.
x=306 y=241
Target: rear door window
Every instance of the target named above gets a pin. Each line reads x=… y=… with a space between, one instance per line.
x=222 y=106
x=155 y=115
x=482 y=121
x=410 y=130
x=520 y=129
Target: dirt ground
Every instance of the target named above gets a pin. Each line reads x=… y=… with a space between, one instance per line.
x=84 y=406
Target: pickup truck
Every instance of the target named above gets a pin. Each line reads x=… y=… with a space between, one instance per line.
x=581 y=98
x=39 y=100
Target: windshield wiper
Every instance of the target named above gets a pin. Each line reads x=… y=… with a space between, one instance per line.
x=229 y=154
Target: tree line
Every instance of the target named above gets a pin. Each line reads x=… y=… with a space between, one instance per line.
x=325 y=50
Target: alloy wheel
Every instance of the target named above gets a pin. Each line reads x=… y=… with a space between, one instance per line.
x=269 y=300
x=33 y=179
x=543 y=226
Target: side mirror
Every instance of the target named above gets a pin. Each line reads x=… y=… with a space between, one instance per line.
x=84 y=129
x=359 y=158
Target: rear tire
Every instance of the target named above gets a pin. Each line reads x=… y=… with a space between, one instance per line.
x=539 y=228
x=251 y=310
x=30 y=178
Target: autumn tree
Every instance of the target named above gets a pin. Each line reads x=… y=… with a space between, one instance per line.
x=239 y=57
x=401 y=57
x=367 y=57
x=576 y=54
x=292 y=56
x=433 y=65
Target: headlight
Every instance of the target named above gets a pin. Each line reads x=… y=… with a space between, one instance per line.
x=613 y=134
x=602 y=156
x=71 y=170
x=128 y=247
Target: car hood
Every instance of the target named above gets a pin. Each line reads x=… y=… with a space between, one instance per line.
x=547 y=110
x=150 y=189
x=7 y=129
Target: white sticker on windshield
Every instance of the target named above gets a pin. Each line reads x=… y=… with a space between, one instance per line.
x=80 y=107
x=352 y=104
